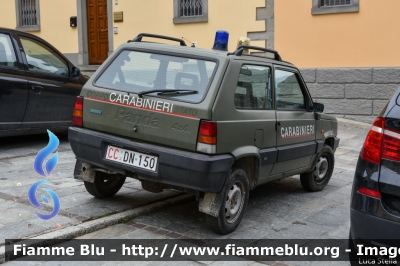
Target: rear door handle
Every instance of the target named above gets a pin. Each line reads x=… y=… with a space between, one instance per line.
x=37 y=89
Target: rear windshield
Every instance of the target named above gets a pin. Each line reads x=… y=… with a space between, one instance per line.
x=134 y=71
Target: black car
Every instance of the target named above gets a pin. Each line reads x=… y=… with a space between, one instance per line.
x=38 y=85
x=375 y=200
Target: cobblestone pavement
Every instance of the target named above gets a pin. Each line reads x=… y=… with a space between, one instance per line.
x=277 y=210
x=18 y=219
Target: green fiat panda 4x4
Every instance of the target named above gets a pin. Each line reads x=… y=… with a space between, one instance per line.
x=207 y=122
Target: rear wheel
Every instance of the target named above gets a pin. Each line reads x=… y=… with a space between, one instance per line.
x=105 y=185
x=318 y=178
x=236 y=196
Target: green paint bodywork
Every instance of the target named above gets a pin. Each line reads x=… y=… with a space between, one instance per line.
x=241 y=133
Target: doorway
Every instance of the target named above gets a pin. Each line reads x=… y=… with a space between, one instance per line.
x=94 y=31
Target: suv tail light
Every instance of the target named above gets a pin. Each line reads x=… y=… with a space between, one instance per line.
x=373 y=143
x=207 y=139
x=391 y=146
x=381 y=143
x=77 y=114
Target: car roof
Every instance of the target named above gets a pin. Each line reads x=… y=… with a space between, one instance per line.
x=14 y=30
x=201 y=52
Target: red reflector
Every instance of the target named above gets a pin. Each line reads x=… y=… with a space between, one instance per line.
x=77 y=114
x=373 y=143
x=369 y=192
x=207 y=132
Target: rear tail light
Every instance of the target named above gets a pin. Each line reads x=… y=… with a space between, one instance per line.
x=207 y=139
x=381 y=143
x=391 y=146
x=373 y=143
x=77 y=114
x=369 y=192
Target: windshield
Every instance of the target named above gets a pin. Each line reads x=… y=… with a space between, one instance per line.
x=134 y=71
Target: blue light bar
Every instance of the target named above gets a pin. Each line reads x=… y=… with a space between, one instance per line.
x=221 y=40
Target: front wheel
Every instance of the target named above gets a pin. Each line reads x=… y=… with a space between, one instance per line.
x=317 y=179
x=236 y=197
x=105 y=185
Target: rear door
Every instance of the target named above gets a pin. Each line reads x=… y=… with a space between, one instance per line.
x=52 y=91
x=295 y=124
x=172 y=119
x=13 y=84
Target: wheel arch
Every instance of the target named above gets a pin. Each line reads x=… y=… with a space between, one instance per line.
x=248 y=159
x=330 y=142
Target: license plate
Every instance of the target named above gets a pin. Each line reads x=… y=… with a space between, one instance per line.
x=132 y=158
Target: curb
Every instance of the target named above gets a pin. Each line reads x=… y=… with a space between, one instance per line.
x=352 y=123
x=88 y=227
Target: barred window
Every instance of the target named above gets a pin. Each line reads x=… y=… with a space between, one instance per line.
x=320 y=7
x=28 y=15
x=189 y=8
x=189 y=11
x=335 y=2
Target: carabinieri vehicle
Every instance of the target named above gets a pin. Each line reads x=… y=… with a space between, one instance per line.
x=207 y=122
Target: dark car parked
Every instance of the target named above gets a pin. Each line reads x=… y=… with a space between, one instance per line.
x=38 y=85
x=375 y=200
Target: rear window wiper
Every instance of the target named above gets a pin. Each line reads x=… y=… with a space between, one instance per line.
x=168 y=92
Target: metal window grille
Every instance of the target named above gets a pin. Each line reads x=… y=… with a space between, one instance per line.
x=190 y=8
x=28 y=12
x=335 y=2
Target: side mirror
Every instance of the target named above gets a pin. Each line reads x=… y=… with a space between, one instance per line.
x=318 y=107
x=75 y=72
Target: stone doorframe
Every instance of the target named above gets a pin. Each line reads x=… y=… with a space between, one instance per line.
x=83 y=55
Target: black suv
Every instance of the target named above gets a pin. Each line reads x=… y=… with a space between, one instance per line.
x=375 y=200
x=38 y=85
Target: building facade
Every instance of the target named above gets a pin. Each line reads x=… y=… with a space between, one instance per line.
x=102 y=25
x=347 y=50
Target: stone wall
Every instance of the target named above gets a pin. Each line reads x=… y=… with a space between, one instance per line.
x=352 y=93
x=265 y=13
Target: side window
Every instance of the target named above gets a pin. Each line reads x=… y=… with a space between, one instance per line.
x=288 y=91
x=253 y=90
x=7 y=53
x=43 y=59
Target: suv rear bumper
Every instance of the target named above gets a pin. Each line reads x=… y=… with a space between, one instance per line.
x=373 y=231
x=175 y=167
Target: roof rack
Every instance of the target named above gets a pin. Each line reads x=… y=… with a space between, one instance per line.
x=240 y=49
x=141 y=35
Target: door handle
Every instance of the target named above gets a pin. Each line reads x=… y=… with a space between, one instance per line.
x=103 y=30
x=37 y=89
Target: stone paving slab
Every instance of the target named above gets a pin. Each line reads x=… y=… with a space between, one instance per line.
x=17 y=217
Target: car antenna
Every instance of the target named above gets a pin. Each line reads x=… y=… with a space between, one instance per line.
x=193 y=43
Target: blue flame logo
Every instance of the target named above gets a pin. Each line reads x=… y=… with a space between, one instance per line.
x=50 y=165
x=36 y=203
x=46 y=151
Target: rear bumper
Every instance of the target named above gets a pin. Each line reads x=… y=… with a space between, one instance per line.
x=367 y=226
x=373 y=231
x=175 y=167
